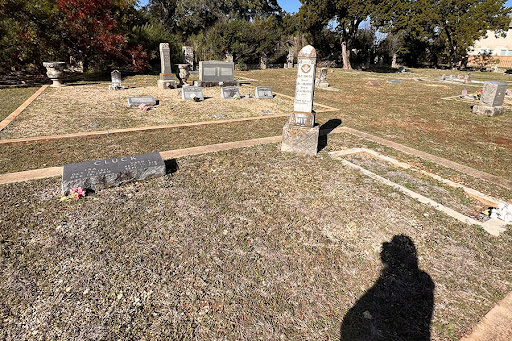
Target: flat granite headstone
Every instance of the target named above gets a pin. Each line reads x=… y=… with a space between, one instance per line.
x=491 y=99
x=188 y=91
x=136 y=101
x=216 y=71
x=300 y=135
x=493 y=93
x=263 y=92
x=93 y=175
x=228 y=92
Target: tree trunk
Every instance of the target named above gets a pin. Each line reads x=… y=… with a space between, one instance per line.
x=346 y=56
x=393 y=62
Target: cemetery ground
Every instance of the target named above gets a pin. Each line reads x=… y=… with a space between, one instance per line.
x=250 y=243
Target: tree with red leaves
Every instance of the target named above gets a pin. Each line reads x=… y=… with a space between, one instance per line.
x=95 y=36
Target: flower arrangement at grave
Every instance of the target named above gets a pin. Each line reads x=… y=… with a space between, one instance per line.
x=74 y=194
x=478 y=94
x=144 y=107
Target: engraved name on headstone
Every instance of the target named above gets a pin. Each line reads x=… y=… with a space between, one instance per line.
x=136 y=101
x=263 y=92
x=228 y=92
x=93 y=175
x=188 y=91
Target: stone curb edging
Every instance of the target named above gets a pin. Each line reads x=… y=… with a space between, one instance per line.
x=22 y=107
x=131 y=130
x=57 y=171
x=495 y=326
x=432 y=158
x=149 y=128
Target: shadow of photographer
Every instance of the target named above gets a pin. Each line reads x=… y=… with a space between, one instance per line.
x=399 y=306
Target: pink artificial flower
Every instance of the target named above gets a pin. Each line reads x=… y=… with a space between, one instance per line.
x=77 y=192
x=143 y=107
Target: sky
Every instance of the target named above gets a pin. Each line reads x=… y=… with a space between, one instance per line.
x=293 y=5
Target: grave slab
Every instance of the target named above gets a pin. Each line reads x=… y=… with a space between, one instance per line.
x=94 y=175
x=136 y=101
x=188 y=91
x=263 y=92
x=228 y=92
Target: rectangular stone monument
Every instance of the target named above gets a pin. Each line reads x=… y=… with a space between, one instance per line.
x=93 y=175
x=116 y=81
x=229 y=92
x=300 y=135
x=166 y=80
x=136 y=101
x=263 y=92
x=491 y=99
x=214 y=73
x=188 y=56
x=189 y=92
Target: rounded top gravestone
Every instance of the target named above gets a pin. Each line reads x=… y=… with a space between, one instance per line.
x=307 y=51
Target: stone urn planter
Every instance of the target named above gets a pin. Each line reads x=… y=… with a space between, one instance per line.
x=184 y=73
x=55 y=71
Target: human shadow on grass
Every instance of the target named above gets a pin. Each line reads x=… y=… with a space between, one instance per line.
x=326 y=129
x=399 y=306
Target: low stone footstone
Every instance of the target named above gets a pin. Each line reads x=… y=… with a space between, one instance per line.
x=116 y=81
x=395 y=81
x=263 y=92
x=94 y=175
x=229 y=92
x=191 y=92
x=166 y=80
x=374 y=83
x=300 y=135
x=136 y=101
x=491 y=99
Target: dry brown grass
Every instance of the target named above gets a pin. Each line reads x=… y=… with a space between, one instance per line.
x=413 y=113
x=12 y=98
x=92 y=107
x=245 y=244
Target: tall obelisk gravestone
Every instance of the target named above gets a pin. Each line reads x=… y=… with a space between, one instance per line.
x=166 y=80
x=300 y=134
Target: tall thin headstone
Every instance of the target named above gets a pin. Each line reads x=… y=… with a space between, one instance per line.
x=300 y=135
x=188 y=56
x=166 y=80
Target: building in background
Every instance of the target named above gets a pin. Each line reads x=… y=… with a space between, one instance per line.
x=491 y=51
